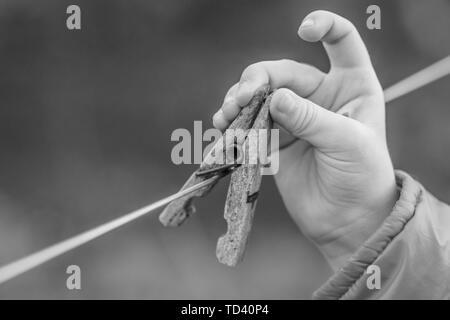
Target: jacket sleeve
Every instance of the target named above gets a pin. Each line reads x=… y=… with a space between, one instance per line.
x=411 y=251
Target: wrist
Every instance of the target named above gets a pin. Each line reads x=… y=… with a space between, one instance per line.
x=338 y=251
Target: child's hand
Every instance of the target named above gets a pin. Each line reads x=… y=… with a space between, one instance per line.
x=337 y=180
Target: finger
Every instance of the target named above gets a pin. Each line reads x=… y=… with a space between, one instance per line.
x=219 y=121
x=305 y=120
x=229 y=110
x=230 y=107
x=340 y=38
x=301 y=78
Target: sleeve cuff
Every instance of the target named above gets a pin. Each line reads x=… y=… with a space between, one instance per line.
x=341 y=283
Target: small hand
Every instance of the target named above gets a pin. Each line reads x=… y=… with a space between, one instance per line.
x=337 y=180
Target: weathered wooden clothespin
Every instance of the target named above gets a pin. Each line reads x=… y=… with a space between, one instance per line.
x=245 y=179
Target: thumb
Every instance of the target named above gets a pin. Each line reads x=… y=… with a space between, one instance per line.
x=342 y=41
x=320 y=127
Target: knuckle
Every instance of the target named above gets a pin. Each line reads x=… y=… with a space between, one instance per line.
x=262 y=67
x=284 y=62
x=231 y=90
x=320 y=12
x=305 y=116
x=347 y=28
x=252 y=69
x=309 y=115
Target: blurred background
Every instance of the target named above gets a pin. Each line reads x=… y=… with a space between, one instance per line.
x=85 y=124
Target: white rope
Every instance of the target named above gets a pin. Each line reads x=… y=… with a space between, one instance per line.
x=18 y=267
x=12 y=270
x=419 y=79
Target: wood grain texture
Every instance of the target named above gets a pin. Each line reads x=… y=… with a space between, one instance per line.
x=179 y=210
x=241 y=199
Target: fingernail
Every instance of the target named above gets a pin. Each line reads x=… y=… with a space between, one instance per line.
x=307 y=23
x=284 y=103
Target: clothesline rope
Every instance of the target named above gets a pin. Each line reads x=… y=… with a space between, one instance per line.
x=20 y=266
x=425 y=76
x=419 y=79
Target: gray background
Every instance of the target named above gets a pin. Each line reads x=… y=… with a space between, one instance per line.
x=85 y=124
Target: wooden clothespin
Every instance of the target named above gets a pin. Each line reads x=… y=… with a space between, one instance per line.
x=245 y=179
